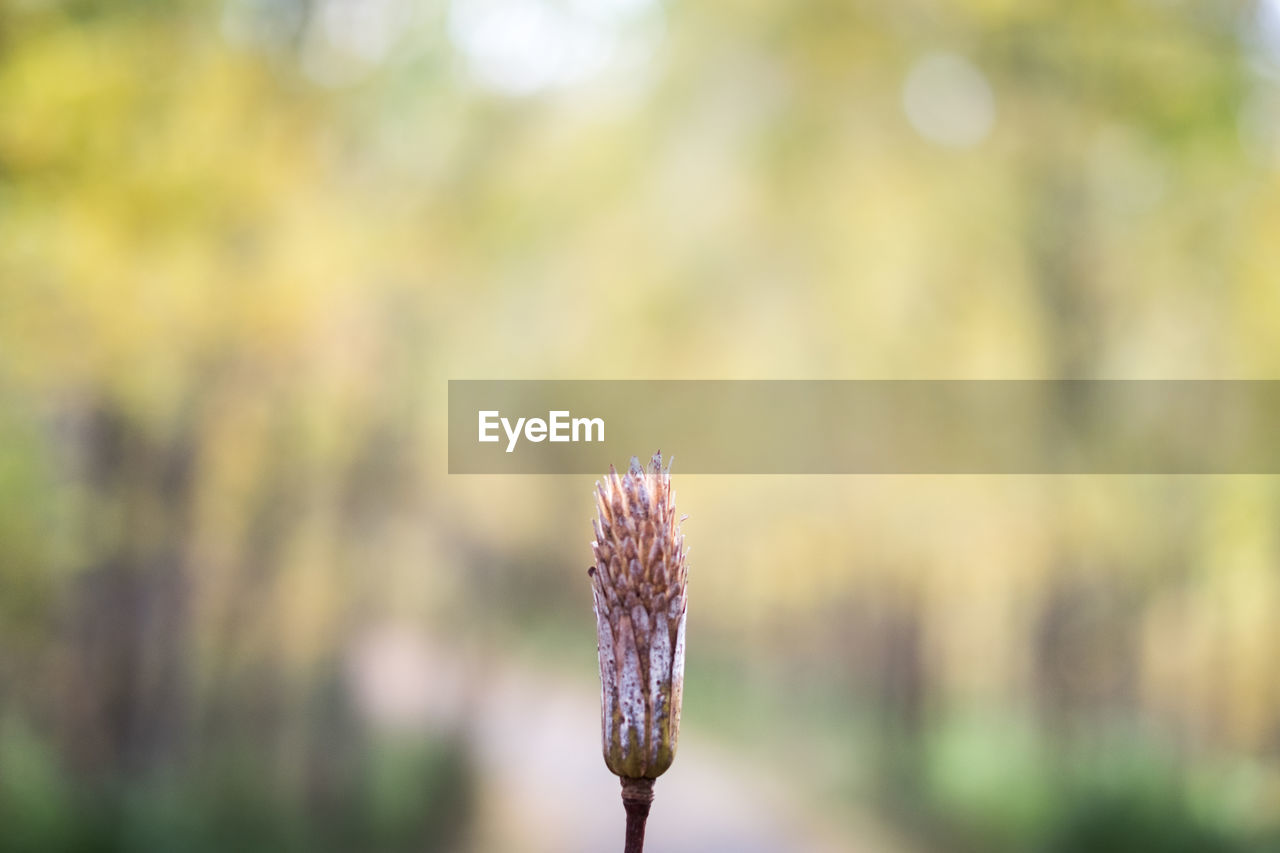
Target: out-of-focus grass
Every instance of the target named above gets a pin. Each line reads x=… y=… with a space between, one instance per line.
x=404 y=795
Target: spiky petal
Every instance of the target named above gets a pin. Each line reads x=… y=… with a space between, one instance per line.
x=640 y=587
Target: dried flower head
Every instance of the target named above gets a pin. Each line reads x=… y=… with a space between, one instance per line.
x=639 y=583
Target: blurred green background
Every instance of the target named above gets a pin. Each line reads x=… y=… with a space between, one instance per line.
x=244 y=244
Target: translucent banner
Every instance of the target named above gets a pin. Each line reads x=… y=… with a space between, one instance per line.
x=868 y=427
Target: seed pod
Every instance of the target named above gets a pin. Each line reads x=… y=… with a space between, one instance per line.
x=639 y=584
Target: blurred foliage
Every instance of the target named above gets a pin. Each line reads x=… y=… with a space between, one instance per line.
x=393 y=798
x=243 y=244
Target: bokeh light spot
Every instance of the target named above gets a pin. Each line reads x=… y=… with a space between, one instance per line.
x=948 y=101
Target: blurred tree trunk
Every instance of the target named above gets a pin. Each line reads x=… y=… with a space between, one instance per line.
x=1086 y=655
x=127 y=651
x=901 y=684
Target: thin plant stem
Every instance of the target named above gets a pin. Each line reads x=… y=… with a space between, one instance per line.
x=637 y=796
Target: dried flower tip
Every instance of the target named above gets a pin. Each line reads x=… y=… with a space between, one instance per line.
x=639 y=585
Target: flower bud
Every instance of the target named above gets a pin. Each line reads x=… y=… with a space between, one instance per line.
x=639 y=584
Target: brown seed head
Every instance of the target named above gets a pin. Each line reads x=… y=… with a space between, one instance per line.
x=639 y=584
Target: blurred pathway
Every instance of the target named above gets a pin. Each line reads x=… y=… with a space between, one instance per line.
x=536 y=737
